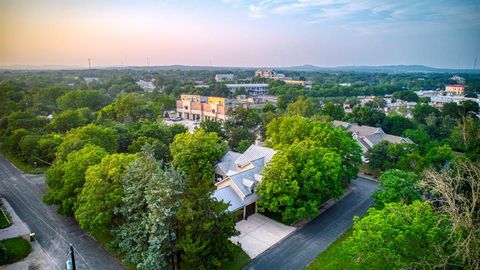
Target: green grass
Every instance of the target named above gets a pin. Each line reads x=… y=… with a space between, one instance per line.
x=17 y=248
x=4 y=221
x=333 y=259
x=239 y=262
x=26 y=168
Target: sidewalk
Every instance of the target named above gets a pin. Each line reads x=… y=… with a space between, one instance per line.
x=18 y=227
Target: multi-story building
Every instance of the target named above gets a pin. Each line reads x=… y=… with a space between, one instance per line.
x=269 y=74
x=224 y=77
x=196 y=107
x=455 y=89
x=252 y=89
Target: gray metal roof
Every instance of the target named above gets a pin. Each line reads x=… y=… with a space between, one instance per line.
x=255 y=152
x=228 y=195
x=228 y=161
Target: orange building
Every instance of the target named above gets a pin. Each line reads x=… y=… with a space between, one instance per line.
x=456 y=89
x=196 y=107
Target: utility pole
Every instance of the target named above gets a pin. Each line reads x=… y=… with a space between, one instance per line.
x=72 y=257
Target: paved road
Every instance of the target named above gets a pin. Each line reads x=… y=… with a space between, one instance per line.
x=304 y=245
x=54 y=232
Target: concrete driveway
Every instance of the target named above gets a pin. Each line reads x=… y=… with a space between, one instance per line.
x=302 y=246
x=258 y=233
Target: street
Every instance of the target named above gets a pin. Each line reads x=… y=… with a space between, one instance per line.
x=304 y=245
x=53 y=231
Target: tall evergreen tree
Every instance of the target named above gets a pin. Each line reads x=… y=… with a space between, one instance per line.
x=205 y=225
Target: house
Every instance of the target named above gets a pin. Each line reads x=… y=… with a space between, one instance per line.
x=236 y=176
x=367 y=136
x=269 y=74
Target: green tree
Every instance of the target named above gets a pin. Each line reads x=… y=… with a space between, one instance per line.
x=151 y=200
x=236 y=135
x=397 y=186
x=82 y=98
x=406 y=95
x=47 y=146
x=303 y=107
x=335 y=111
x=130 y=108
x=201 y=149
x=212 y=126
x=69 y=119
x=101 y=194
x=76 y=138
x=439 y=156
x=205 y=224
x=286 y=130
x=65 y=180
x=243 y=145
x=377 y=156
x=466 y=137
x=366 y=116
x=399 y=236
x=396 y=124
x=279 y=188
x=422 y=111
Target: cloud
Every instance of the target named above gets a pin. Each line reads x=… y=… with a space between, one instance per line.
x=255 y=12
x=359 y=12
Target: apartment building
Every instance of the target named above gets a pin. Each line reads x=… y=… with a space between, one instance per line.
x=196 y=107
x=456 y=89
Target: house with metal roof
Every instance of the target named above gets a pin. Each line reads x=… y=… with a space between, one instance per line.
x=368 y=136
x=236 y=176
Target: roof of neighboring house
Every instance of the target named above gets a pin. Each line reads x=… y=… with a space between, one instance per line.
x=369 y=136
x=228 y=195
x=255 y=152
x=228 y=161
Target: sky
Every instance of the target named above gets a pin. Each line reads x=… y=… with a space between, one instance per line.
x=240 y=33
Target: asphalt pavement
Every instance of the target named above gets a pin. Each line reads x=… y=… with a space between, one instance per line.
x=304 y=245
x=54 y=232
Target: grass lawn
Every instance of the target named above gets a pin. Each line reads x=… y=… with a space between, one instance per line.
x=26 y=168
x=333 y=259
x=239 y=262
x=17 y=249
x=4 y=220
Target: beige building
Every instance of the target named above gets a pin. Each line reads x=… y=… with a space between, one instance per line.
x=196 y=107
x=456 y=89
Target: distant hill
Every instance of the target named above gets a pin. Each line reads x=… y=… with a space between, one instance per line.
x=307 y=68
x=385 y=69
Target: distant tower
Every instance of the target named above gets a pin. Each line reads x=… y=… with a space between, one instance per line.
x=475 y=63
x=89 y=64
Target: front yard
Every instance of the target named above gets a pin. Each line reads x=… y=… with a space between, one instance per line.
x=13 y=250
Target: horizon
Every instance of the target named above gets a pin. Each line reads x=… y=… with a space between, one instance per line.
x=237 y=33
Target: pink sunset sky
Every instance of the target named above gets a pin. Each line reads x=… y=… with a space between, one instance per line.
x=239 y=33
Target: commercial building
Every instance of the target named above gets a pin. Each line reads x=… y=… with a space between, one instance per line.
x=236 y=177
x=269 y=74
x=455 y=89
x=224 y=77
x=196 y=107
x=252 y=89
